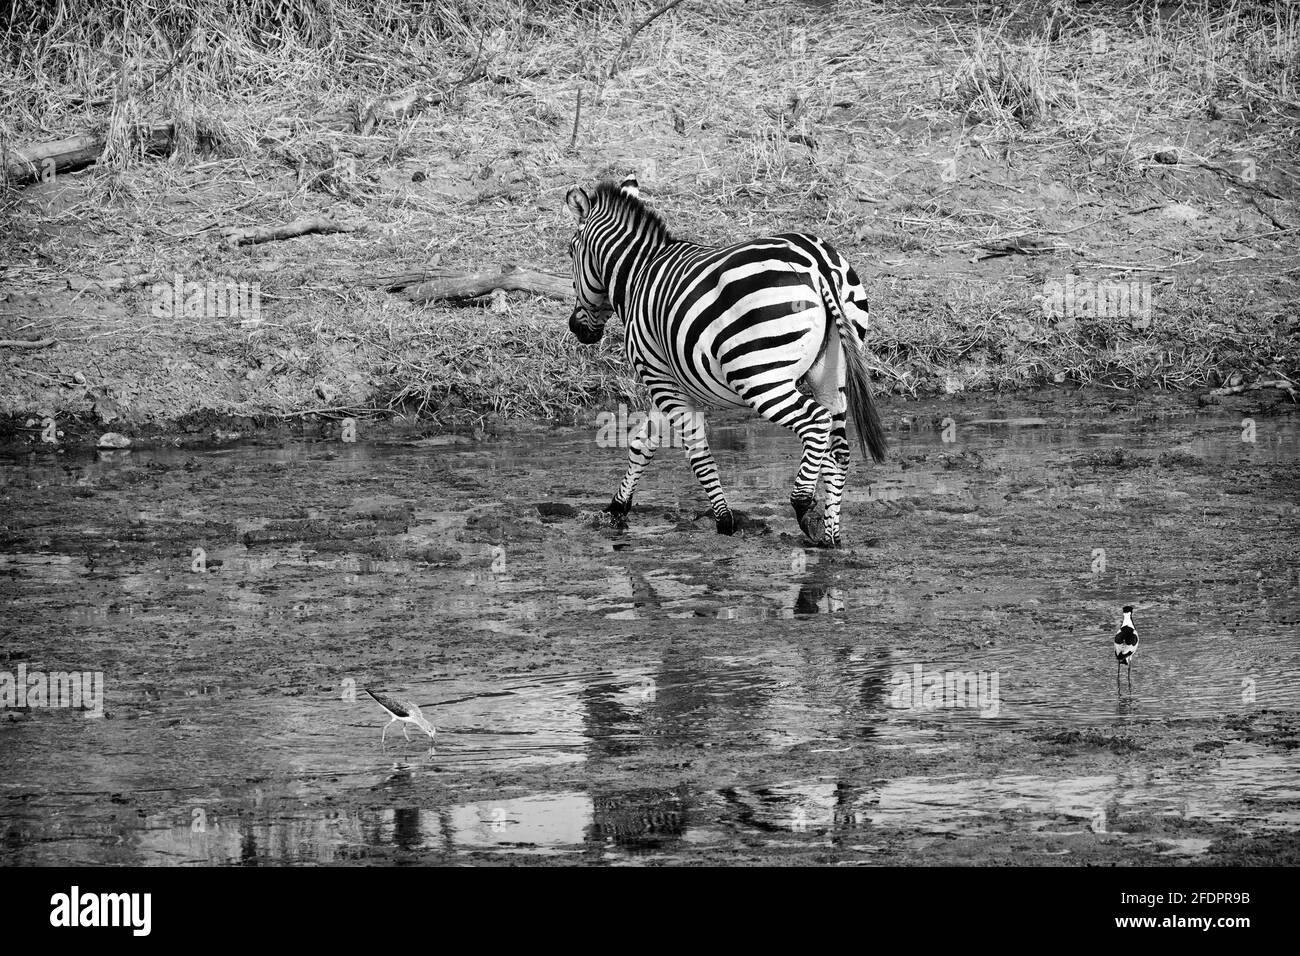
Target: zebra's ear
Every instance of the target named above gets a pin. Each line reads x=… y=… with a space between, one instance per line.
x=629 y=187
x=578 y=202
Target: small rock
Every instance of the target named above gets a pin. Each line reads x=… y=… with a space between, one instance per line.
x=113 y=440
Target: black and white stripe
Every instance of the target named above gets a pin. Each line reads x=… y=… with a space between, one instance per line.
x=1126 y=643
x=735 y=326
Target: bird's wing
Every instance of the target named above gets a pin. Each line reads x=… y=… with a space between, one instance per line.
x=398 y=708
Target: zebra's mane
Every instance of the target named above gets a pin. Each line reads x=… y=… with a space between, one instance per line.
x=610 y=194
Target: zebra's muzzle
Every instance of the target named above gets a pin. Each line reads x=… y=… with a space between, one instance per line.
x=586 y=334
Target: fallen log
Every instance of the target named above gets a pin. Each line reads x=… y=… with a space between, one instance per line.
x=402 y=280
x=26 y=343
x=1278 y=383
x=396 y=282
x=47 y=160
x=510 y=279
x=251 y=235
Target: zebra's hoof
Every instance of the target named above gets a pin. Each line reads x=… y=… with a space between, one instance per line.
x=810 y=522
x=815 y=530
x=727 y=524
x=618 y=513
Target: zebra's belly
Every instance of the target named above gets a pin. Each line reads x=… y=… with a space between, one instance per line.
x=711 y=391
x=699 y=380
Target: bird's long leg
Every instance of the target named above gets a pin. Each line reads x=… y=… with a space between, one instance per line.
x=384 y=735
x=406 y=731
x=1130 y=676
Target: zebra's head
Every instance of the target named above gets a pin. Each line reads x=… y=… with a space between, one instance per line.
x=593 y=308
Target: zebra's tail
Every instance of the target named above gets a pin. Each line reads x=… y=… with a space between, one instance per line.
x=870 y=435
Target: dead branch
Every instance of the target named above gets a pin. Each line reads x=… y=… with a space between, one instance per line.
x=65 y=155
x=577 y=114
x=114 y=283
x=26 y=343
x=627 y=40
x=251 y=235
x=474 y=284
x=1279 y=383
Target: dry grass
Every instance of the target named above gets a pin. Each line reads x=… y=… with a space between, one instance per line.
x=739 y=119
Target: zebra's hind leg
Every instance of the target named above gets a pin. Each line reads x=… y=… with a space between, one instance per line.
x=787 y=406
x=640 y=449
x=834 y=474
x=826 y=380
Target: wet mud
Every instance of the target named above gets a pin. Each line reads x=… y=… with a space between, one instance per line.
x=665 y=694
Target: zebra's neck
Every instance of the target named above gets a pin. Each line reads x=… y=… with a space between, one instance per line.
x=634 y=237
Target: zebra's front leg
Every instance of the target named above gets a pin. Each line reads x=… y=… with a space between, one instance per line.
x=640 y=449
x=690 y=425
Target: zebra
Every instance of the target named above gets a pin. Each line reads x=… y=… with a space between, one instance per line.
x=736 y=326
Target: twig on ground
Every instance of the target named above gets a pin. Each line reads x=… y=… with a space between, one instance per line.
x=577 y=114
x=475 y=284
x=251 y=235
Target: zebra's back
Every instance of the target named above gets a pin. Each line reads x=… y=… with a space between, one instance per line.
x=712 y=318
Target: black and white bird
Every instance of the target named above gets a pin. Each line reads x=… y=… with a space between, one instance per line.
x=402 y=712
x=1126 y=644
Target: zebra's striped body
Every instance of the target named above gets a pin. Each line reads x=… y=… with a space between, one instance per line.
x=738 y=326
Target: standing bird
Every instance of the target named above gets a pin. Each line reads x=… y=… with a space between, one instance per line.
x=1126 y=644
x=403 y=712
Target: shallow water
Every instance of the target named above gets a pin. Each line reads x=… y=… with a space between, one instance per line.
x=664 y=694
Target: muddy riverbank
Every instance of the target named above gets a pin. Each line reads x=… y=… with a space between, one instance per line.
x=665 y=694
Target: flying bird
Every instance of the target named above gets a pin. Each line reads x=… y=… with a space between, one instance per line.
x=403 y=712
x=1126 y=644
